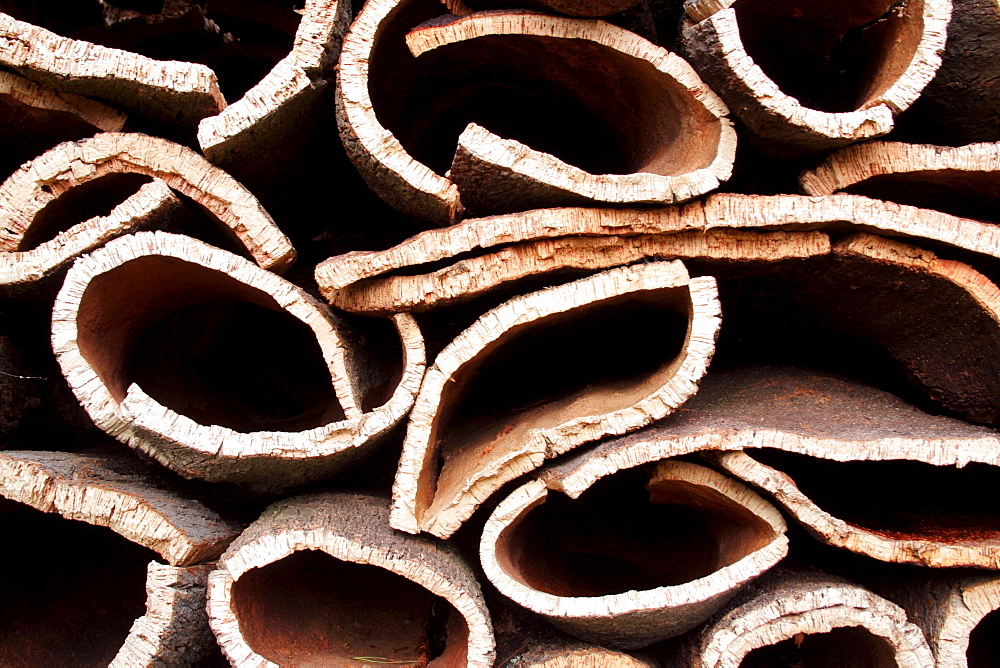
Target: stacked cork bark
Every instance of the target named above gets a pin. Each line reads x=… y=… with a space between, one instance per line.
x=500 y=333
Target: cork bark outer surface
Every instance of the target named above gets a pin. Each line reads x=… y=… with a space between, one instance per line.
x=174 y=631
x=389 y=170
x=168 y=92
x=117 y=493
x=786 y=603
x=495 y=174
x=712 y=43
x=268 y=460
x=41 y=181
x=634 y=618
x=473 y=276
x=570 y=654
x=352 y=528
x=284 y=95
x=153 y=206
x=440 y=503
x=869 y=161
x=741 y=212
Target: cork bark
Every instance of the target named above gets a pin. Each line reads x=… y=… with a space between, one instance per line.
x=478 y=457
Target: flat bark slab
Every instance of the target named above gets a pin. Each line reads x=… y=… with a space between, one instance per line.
x=178 y=305
x=804 y=616
x=165 y=92
x=801 y=75
x=696 y=559
x=39 y=183
x=668 y=160
x=479 y=454
x=119 y=494
x=383 y=582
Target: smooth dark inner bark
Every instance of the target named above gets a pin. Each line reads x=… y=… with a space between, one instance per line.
x=966 y=194
x=614 y=538
x=70 y=591
x=206 y=346
x=984 y=642
x=312 y=609
x=845 y=647
x=899 y=499
x=89 y=200
x=831 y=56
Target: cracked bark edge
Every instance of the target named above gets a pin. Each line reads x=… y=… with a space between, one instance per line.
x=494 y=174
x=713 y=45
x=421 y=500
x=267 y=460
x=634 y=618
x=763 y=212
x=70 y=164
x=44 y=99
x=473 y=276
x=271 y=106
x=117 y=493
x=352 y=528
x=857 y=164
x=165 y=91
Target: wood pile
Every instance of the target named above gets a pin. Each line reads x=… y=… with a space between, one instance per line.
x=598 y=333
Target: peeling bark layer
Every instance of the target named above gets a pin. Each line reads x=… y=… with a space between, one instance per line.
x=323 y=579
x=462 y=445
x=625 y=571
x=160 y=338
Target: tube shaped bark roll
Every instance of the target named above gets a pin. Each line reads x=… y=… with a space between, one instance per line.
x=604 y=576
x=809 y=615
x=852 y=68
x=322 y=578
x=160 y=338
x=399 y=115
x=669 y=322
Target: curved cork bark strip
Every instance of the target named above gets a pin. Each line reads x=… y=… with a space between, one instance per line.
x=174 y=630
x=809 y=76
x=274 y=107
x=811 y=616
x=957 y=613
x=638 y=586
x=962 y=181
x=42 y=181
x=166 y=92
x=322 y=578
x=679 y=143
x=116 y=493
x=224 y=411
x=483 y=443
x=469 y=277
x=152 y=206
x=579 y=8
x=568 y=654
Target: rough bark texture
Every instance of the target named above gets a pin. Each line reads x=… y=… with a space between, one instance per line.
x=120 y=494
x=568 y=654
x=908 y=60
x=237 y=438
x=478 y=458
x=747 y=538
x=350 y=528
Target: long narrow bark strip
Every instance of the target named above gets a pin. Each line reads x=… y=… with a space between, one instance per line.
x=652 y=571
x=160 y=337
x=577 y=399
x=42 y=181
x=288 y=93
x=679 y=144
x=166 y=92
x=323 y=579
x=580 y=8
x=468 y=277
x=813 y=76
x=797 y=617
x=153 y=206
x=119 y=494
x=962 y=180
x=783 y=212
